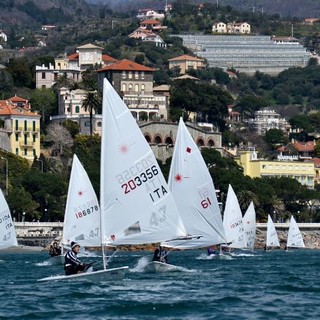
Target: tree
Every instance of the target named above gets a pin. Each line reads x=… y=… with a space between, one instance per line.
x=43 y=100
x=245 y=197
x=274 y=136
x=60 y=138
x=72 y=127
x=91 y=102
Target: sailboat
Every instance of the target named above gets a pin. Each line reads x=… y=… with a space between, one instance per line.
x=194 y=192
x=249 y=222
x=232 y=222
x=7 y=232
x=82 y=213
x=295 y=239
x=136 y=204
x=272 y=237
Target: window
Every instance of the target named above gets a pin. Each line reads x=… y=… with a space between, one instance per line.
x=17 y=125
x=43 y=75
x=34 y=138
x=34 y=152
x=136 y=88
x=142 y=75
x=142 y=88
x=87 y=124
x=99 y=124
x=25 y=125
x=25 y=139
x=136 y=75
x=77 y=109
x=17 y=151
x=33 y=126
x=130 y=74
x=25 y=151
x=123 y=74
x=17 y=137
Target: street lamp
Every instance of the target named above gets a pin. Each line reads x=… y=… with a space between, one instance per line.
x=41 y=164
x=7 y=169
x=24 y=218
x=45 y=214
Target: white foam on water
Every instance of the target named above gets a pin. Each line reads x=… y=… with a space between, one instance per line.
x=141 y=265
x=204 y=256
x=43 y=264
x=242 y=254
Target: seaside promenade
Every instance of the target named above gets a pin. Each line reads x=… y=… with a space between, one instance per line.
x=42 y=233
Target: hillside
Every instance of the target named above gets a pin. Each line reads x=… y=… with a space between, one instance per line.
x=285 y=8
x=35 y=12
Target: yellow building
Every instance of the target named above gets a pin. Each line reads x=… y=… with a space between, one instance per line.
x=285 y=166
x=186 y=62
x=22 y=126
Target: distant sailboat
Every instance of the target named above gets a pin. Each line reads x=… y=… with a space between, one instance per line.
x=249 y=222
x=232 y=222
x=272 y=237
x=194 y=192
x=295 y=239
x=7 y=232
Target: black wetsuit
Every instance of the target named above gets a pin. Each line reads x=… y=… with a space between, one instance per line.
x=160 y=255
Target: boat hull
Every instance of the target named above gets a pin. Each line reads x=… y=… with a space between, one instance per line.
x=161 y=267
x=100 y=275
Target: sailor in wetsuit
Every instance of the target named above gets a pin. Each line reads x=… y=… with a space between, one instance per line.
x=72 y=265
x=160 y=255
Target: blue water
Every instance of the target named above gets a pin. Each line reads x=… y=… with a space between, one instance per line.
x=263 y=285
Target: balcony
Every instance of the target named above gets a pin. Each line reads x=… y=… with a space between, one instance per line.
x=26 y=144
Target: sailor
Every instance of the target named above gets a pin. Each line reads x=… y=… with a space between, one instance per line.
x=72 y=265
x=160 y=255
x=211 y=251
x=55 y=249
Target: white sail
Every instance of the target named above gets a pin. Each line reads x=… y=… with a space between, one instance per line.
x=82 y=213
x=295 y=239
x=272 y=237
x=136 y=204
x=194 y=193
x=232 y=221
x=7 y=232
x=249 y=222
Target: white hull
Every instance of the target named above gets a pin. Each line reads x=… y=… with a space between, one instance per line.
x=57 y=260
x=161 y=267
x=100 y=275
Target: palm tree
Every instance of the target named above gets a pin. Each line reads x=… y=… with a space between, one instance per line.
x=90 y=102
x=245 y=197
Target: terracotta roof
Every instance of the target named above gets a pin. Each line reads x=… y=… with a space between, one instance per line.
x=151 y=21
x=18 y=99
x=304 y=146
x=185 y=57
x=281 y=149
x=8 y=108
x=186 y=77
x=74 y=56
x=126 y=65
x=316 y=162
x=107 y=58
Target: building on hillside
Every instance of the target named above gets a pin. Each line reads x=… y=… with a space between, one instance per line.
x=70 y=108
x=219 y=27
x=285 y=40
x=247 y=54
x=239 y=28
x=48 y=27
x=46 y=77
x=144 y=14
x=152 y=25
x=162 y=136
x=22 y=127
x=267 y=119
x=290 y=167
x=87 y=56
x=233 y=116
x=305 y=150
x=3 y=36
x=311 y=21
x=186 y=62
x=148 y=36
x=134 y=83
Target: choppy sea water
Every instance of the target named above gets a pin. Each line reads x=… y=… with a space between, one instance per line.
x=262 y=285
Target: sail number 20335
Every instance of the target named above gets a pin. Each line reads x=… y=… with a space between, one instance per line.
x=140 y=179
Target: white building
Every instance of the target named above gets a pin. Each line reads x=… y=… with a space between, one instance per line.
x=267 y=119
x=219 y=27
x=3 y=36
x=149 y=14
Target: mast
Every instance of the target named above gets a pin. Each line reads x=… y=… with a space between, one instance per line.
x=102 y=177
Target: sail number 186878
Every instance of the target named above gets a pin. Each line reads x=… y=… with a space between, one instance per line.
x=87 y=211
x=139 y=179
